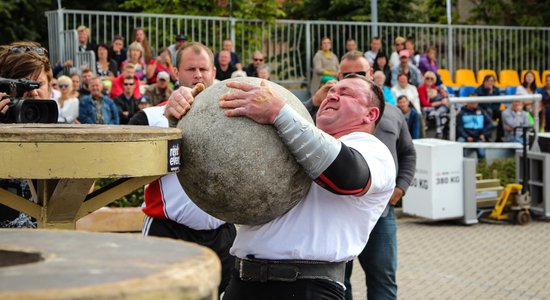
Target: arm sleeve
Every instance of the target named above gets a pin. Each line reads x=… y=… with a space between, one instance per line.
x=336 y=178
x=334 y=166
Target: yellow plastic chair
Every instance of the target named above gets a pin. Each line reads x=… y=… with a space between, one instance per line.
x=445 y=76
x=543 y=77
x=508 y=78
x=465 y=77
x=482 y=73
x=538 y=82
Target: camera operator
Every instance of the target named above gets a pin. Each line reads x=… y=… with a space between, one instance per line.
x=30 y=61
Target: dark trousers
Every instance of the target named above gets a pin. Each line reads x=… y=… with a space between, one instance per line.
x=219 y=240
x=303 y=289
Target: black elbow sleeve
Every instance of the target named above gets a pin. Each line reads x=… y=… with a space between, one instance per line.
x=348 y=174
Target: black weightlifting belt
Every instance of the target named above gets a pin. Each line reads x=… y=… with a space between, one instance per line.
x=260 y=270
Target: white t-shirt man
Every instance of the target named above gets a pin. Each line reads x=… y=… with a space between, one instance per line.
x=326 y=226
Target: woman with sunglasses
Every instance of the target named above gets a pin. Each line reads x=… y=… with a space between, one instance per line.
x=30 y=61
x=67 y=102
x=399 y=45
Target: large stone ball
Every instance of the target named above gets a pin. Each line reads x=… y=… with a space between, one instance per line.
x=234 y=168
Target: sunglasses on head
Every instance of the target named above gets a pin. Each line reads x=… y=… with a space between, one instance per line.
x=63 y=86
x=23 y=49
x=362 y=73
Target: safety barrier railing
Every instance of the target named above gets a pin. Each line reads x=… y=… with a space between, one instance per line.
x=535 y=98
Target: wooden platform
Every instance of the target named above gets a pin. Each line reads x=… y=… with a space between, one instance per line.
x=62 y=161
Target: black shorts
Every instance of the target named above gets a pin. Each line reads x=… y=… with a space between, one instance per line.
x=219 y=240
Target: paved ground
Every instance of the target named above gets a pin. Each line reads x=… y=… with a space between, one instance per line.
x=445 y=260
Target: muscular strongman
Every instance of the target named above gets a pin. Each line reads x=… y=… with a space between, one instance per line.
x=302 y=254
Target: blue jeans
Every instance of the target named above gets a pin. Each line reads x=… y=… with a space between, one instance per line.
x=378 y=260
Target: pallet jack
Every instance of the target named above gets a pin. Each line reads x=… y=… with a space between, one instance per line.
x=515 y=200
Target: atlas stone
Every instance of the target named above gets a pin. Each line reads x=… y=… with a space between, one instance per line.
x=234 y=168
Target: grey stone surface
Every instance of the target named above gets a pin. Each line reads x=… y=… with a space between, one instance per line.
x=234 y=168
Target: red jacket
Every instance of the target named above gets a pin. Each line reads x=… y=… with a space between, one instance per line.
x=423 y=95
x=117 y=87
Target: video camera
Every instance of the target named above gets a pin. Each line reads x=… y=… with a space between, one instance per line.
x=26 y=110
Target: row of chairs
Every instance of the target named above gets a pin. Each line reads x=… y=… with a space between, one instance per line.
x=506 y=78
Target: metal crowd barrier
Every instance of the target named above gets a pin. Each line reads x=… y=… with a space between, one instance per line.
x=536 y=98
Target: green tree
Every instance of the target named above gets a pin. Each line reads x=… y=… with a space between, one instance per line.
x=26 y=19
x=511 y=13
x=435 y=11
x=19 y=20
x=353 y=10
x=247 y=9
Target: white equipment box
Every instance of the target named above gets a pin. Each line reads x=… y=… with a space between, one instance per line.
x=436 y=191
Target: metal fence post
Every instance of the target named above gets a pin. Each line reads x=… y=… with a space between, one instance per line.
x=374 y=17
x=308 y=55
x=450 y=48
x=233 y=35
x=60 y=36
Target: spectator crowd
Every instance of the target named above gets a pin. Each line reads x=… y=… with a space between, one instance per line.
x=126 y=79
x=411 y=80
x=137 y=76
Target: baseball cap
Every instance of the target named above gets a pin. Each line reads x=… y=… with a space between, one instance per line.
x=163 y=75
x=404 y=53
x=144 y=99
x=181 y=37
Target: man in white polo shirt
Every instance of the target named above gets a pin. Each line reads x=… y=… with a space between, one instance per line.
x=302 y=254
